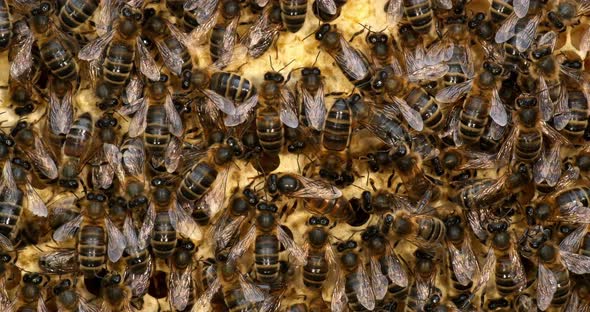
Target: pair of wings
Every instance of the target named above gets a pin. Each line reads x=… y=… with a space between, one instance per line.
x=10 y=192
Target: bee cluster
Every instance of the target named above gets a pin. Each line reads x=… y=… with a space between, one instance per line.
x=414 y=155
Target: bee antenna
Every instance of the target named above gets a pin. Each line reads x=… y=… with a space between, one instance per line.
x=316 y=58
x=286 y=65
x=304 y=38
x=270 y=60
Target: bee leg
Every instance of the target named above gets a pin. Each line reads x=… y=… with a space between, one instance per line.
x=390 y=180
x=356 y=34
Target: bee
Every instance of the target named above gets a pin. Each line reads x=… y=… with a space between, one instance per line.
x=293 y=14
x=310 y=93
x=68 y=300
x=423 y=294
x=462 y=259
x=115 y=294
x=102 y=171
x=22 y=97
x=416 y=182
x=482 y=27
x=336 y=162
x=159 y=122
x=181 y=285
x=31 y=294
x=61 y=113
x=353 y=287
x=520 y=27
x=571 y=111
x=238 y=292
x=267 y=234
x=75 y=13
x=502 y=260
x=566 y=13
x=169 y=41
x=221 y=88
x=223 y=35
x=231 y=220
x=264 y=32
x=352 y=62
x=5 y=26
x=320 y=255
x=97 y=236
x=136 y=255
x=327 y=10
x=76 y=150
x=122 y=43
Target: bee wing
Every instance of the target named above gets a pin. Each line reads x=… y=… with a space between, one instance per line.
x=5 y=243
x=213 y=200
x=548 y=167
x=571 y=243
x=130 y=234
x=521 y=7
x=562 y=114
x=553 y=135
x=172 y=154
x=585 y=43
x=261 y=35
x=546 y=104
x=222 y=103
x=41 y=307
x=546 y=287
x=505 y=153
x=412 y=116
x=351 y=60
x=574 y=212
x=174 y=120
x=140 y=282
x=251 y=292
x=444 y=4
x=525 y=38
x=105 y=17
x=479 y=160
x=460 y=265
x=179 y=288
x=548 y=38
x=23 y=59
x=396 y=273
x=178 y=35
x=339 y=299
x=204 y=9
x=183 y=222
x=291 y=247
x=171 y=59
x=394 y=11
x=311 y=188
x=315 y=107
x=197 y=35
x=288 y=110
x=84 y=306
x=239 y=249
x=203 y=304
x=378 y=279
x=506 y=31
x=439 y=52
x=453 y=93
x=364 y=291
x=133 y=157
x=242 y=112
x=147 y=226
x=116 y=241
x=573 y=304
x=67 y=230
x=41 y=159
x=115 y=159
x=147 y=64
x=487 y=269
x=261 y=3
x=58 y=262
x=93 y=50
x=7 y=186
x=61 y=113
x=228 y=45
x=138 y=123
x=224 y=232
x=497 y=110
x=570 y=176
x=519 y=275
x=328 y=6
x=34 y=202
x=576 y=263
x=431 y=72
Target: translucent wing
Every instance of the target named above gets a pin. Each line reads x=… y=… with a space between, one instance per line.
x=311 y=188
x=115 y=159
x=576 y=263
x=339 y=299
x=41 y=159
x=585 y=43
x=147 y=64
x=261 y=35
x=546 y=287
x=394 y=11
x=68 y=230
x=328 y=6
x=180 y=288
x=439 y=52
x=41 y=307
x=61 y=113
x=453 y=93
x=174 y=120
x=204 y=9
x=497 y=110
x=197 y=35
x=412 y=116
x=521 y=7
x=242 y=112
x=23 y=59
x=378 y=279
x=34 y=202
x=315 y=107
x=562 y=114
x=351 y=61
x=147 y=226
x=487 y=269
x=171 y=59
x=178 y=34
x=395 y=271
x=183 y=222
x=172 y=154
x=288 y=110
x=549 y=38
x=239 y=249
x=222 y=103
x=363 y=288
x=546 y=104
x=5 y=243
x=444 y=4
x=261 y=3
x=130 y=234
x=7 y=186
x=138 y=122
x=548 y=167
x=525 y=38
x=506 y=31
x=431 y=72
x=505 y=153
x=204 y=302
x=293 y=249
x=213 y=200
x=93 y=50
x=228 y=44
x=572 y=242
x=519 y=275
x=223 y=234
x=251 y=292
x=116 y=241
x=459 y=263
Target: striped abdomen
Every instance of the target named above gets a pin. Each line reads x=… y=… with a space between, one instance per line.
x=269 y=129
x=338 y=209
x=76 y=12
x=236 y=301
x=216 y=41
x=505 y=279
x=562 y=293
x=429 y=110
x=5 y=26
x=500 y=10
x=529 y=144
x=580 y=194
x=232 y=86
x=136 y=260
x=59 y=60
x=266 y=255
x=178 y=48
x=163 y=240
x=118 y=62
x=293 y=14
x=157 y=134
x=79 y=137
x=351 y=286
x=578 y=106
x=10 y=211
x=91 y=249
x=315 y=271
x=197 y=181
x=419 y=14
x=473 y=119
x=431 y=229
x=337 y=129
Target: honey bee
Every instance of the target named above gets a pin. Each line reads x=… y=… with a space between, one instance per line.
x=121 y=44
x=68 y=300
x=352 y=62
x=223 y=35
x=522 y=28
x=102 y=170
x=314 y=192
x=566 y=13
x=320 y=255
x=336 y=162
x=61 y=113
x=115 y=294
x=293 y=14
x=464 y=266
x=181 y=286
x=97 y=236
x=264 y=32
x=419 y=13
x=423 y=294
x=22 y=97
x=267 y=234
x=31 y=294
x=416 y=182
x=76 y=150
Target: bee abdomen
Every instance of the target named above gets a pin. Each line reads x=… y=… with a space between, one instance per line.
x=164 y=238
x=76 y=12
x=91 y=249
x=78 y=138
x=232 y=86
x=505 y=279
x=198 y=181
x=562 y=293
x=419 y=13
x=137 y=260
x=431 y=230
x=293 y=14
x=9 y=215
x=59 y=60
x=429 y=110
x=236 y=302
x=529 y=145
x=118 y=63
x=352 y=284
x=266 y=254
x=177 y=47
x=337 y=130
x=500 y=10
x=473 y=119
x=157 y=134
x=339 y=208
x=216 y=41
x=316 y=270
x=578 y=106
x=270 y=130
